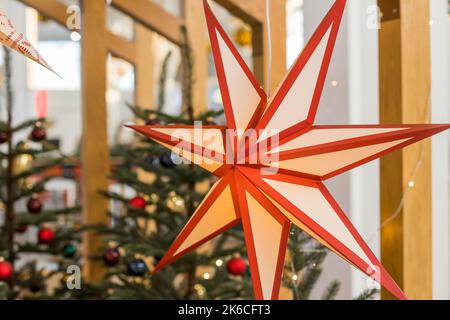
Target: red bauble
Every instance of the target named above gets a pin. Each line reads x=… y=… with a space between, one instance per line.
x=152 y=122
x=237 y=266
x=34 y=205
x=138 y=203
x=22 y=228
x=39 y=134
x=46 y=236
x=3 y=137
x=111 y=256
x=6 y=270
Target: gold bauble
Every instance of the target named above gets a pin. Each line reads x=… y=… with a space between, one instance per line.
x=176 y=203
x=154 y=197
x=200 y=290
x=22 y=163
x=243 y=37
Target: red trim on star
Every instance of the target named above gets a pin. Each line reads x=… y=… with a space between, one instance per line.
x=243 y=178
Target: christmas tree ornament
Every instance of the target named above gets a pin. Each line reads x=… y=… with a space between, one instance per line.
x=153 y=121
x=200 y=290
x=3 y=137
x=65 y=278
x=46 y=235
x=69 y=250
x=17 y=41
x=23 y=161
x=175 y=203
x=111 y=256
x=138 y=202
x=137 y=268
x=236 y=266
x=36 y=286
x=271 y=161
x=21 y=229
x=38 y=134
x=6 y=270
x=243 y=37
x=34 y=205
x=152 y=160
x=154 y=197
x=166 y=160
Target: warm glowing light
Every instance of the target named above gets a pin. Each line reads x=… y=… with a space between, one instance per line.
x=75 y=36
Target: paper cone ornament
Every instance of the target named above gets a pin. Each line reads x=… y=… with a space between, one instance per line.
x=271 y=161
x=17 y=41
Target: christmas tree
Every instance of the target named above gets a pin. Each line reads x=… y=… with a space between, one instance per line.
x=38 y=239
x=155 y=194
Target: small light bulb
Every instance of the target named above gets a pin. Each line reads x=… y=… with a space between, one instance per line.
x=295 y=277
x=334 y=83
x=75 y=36
x=206 y=276
x=411 y=184
x=219 y=262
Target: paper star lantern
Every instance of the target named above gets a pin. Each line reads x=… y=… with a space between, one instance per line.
x=17 y=41
x=266 y=186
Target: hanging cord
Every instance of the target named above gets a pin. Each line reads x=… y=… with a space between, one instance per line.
x=269 y=47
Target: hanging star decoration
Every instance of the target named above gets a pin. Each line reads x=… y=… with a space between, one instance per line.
x=17 y=41
x=271 y=161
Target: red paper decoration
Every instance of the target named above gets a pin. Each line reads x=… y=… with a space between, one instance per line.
x=17 y=41
x=271 y=160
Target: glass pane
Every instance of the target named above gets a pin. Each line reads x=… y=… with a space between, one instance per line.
x=120 y=92
x=167 y=76
x=119 y=23
x=57 y=99
x=173 y=6
x=295 y=30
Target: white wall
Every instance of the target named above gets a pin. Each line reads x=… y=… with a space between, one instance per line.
x=440 y=60
x=364 y=109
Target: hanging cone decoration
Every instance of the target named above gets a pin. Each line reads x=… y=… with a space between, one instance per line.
x=17 y=41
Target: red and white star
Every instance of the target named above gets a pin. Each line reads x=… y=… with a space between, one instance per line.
x=268 y=196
